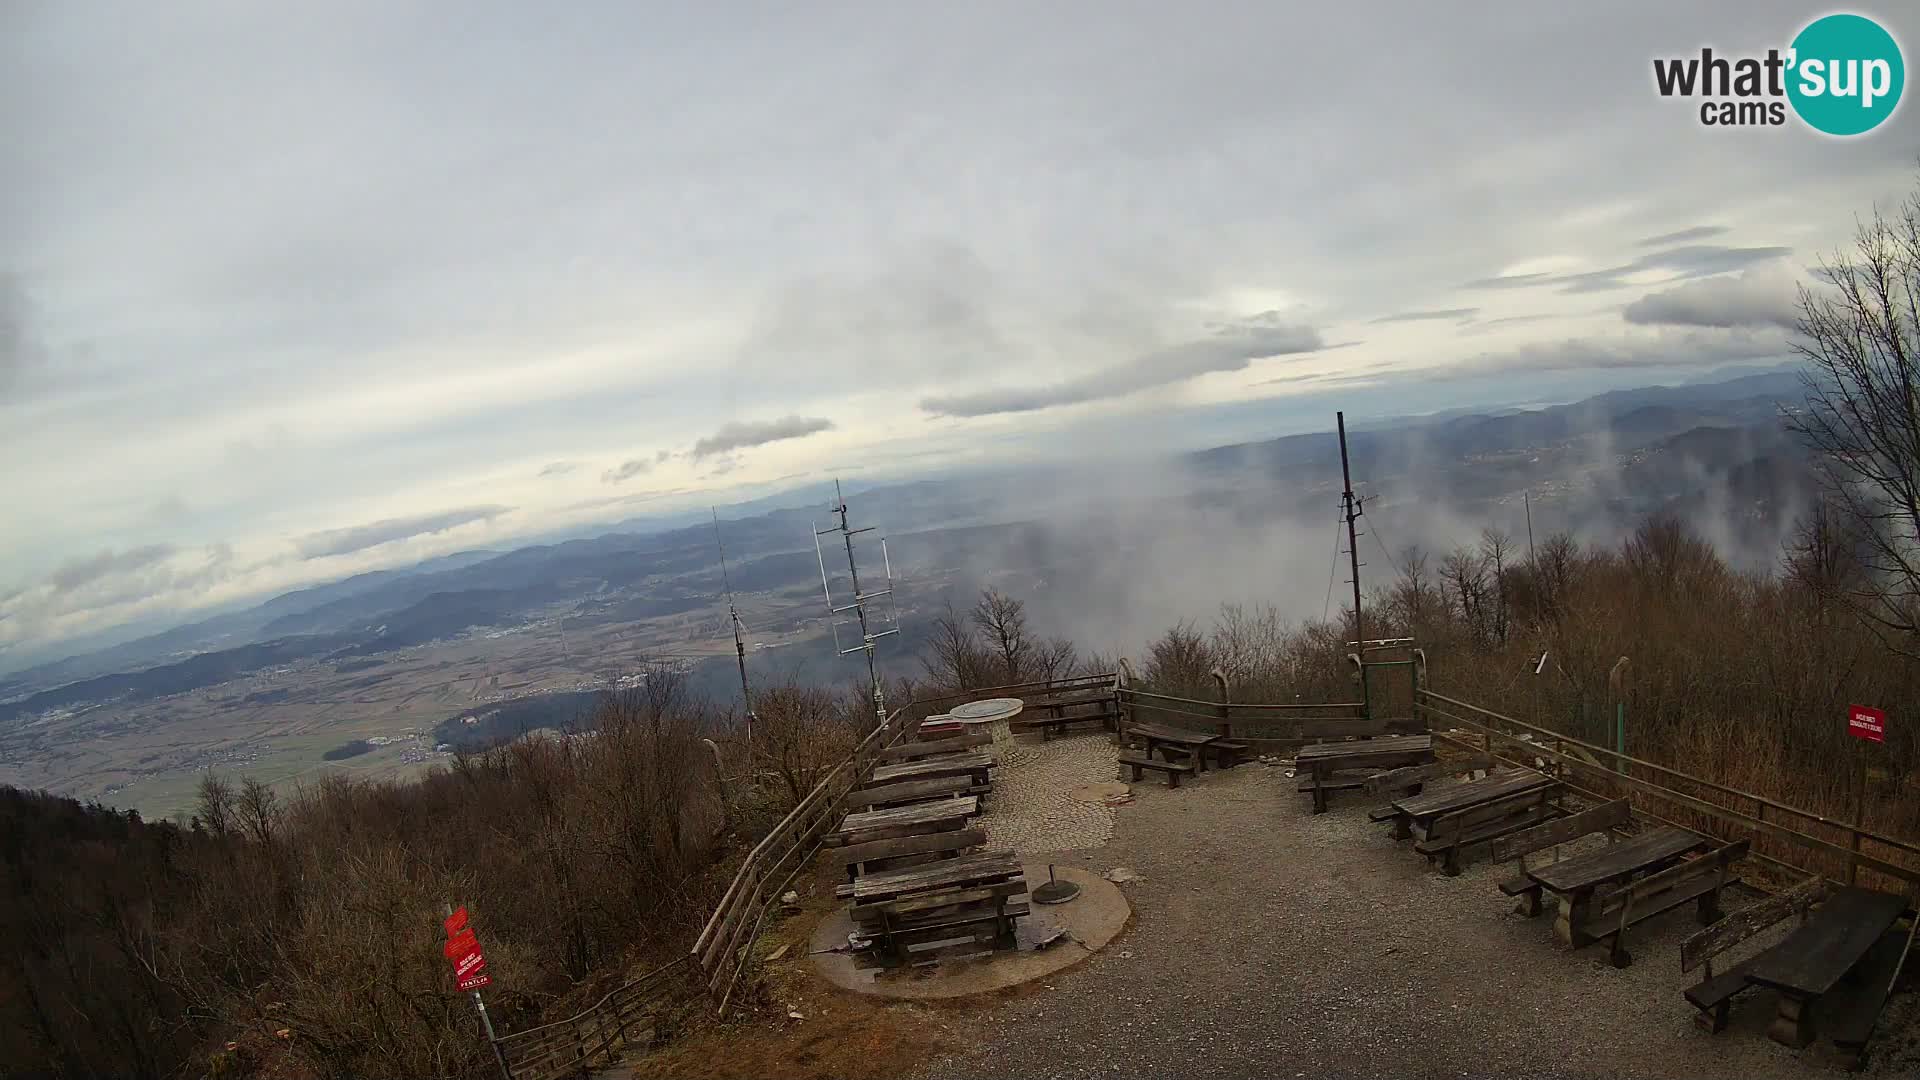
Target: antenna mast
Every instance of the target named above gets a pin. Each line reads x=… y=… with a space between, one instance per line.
x=1353 y=512
x=739 y=641
x=858 y=605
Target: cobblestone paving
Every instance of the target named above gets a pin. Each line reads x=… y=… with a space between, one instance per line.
x=1031 y=809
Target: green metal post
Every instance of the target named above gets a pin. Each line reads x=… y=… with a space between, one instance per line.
x=1620 y=735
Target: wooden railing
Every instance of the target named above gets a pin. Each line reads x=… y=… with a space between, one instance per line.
x=725 y=944
x=1272 y=727
x=724 y=948
x=570 y=1047
x=1787 y=836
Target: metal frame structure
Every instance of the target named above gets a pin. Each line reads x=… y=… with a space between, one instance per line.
x=858 y=604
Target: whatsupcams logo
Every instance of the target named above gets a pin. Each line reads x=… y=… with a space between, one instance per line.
x=1841 y=75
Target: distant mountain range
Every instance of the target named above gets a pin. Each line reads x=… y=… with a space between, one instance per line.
x=1648 y=447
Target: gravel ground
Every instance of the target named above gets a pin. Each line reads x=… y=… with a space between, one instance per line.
x=1269 y=942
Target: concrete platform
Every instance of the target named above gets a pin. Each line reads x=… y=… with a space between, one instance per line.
x=1091 y=920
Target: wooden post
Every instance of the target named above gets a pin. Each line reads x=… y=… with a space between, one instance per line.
x=1225 y=726
x=1859 y=820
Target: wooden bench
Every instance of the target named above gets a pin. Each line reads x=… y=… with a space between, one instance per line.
x=946 y=815
x=976 y=764
x=908 y=751
x=1818 y=967
x=1138 y=761
x=1453 y=832
x=1600 y=819
x=884 y=795
x=1227 y=753
x=1415 y=815
x=876 y=855
x=1058 y=718
x=1698 y=880
x=1854 y=1007
x=933 y=904
x=1714 y=994
x=1413 y=778
x=1321 y=761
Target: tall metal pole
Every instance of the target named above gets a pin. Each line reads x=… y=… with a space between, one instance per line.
x=859 y=604
x=739 y=642
x=1353 y=541
x=1354 y=510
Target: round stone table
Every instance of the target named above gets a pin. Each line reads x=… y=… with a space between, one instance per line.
x=997 y=714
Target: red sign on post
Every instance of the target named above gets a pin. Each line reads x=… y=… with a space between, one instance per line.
x=463 y=949
x=1866 y=723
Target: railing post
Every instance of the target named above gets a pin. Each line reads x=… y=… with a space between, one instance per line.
x=1225 y=726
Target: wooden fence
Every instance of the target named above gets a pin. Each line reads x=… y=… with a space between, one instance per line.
x=722 y=952
x=1786 y=836
x=624 y=1017
x=1268 y=727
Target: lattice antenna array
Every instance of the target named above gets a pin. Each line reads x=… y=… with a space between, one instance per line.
x=872 y=627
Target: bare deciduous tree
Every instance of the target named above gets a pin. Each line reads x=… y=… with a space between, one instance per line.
x=1002 y=621
x=1861 y=341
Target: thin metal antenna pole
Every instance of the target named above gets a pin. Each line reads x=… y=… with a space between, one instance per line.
x=739 y=642
x=1353 y=511
x=859 y=604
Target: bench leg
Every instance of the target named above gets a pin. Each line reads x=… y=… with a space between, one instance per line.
x=1568 y=915
x=1319 y=796
x=1707 y=908
x=1402 y=828
x=1793 y=1026
x=1530 y=905
x=1714 y=1021
x=1617 y=953
x=1136 y=773
x=1173 y=778
x=1450 y=862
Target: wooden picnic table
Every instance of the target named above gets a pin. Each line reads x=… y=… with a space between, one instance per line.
x=1573 y=881
x=951 y=873
x=1158 y=736
x=1321 y=760
x=965 y=764
x=1413 y=815
x=911 y=820
x=1819 y=953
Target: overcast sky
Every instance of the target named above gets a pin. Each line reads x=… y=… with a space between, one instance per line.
x=289 y=291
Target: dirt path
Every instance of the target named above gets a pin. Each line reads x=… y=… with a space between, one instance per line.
x=1268 y=942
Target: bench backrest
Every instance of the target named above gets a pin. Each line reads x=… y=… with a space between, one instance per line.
x=907 y=751
x=1750 y=920
x=1334 y=730
x=1718 y=862
x=1418 y=774
x=914 y=789
x=928 y=844
x=1447 y=826
x=1526 y=842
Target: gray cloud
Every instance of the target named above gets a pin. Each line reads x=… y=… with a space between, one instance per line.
x=1751 y=299
x=741 y=435
x=13 y=330
x=1436 y=314
x=559 y=468
x=1690 y=347
x=373 y=534
x=1229 y=350
x=1510 y=281
x=626 y=470
x=1687 y=261
x=1681 y=236
x=86 y=571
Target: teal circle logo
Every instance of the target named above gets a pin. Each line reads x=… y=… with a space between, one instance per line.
x=1845 y=74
